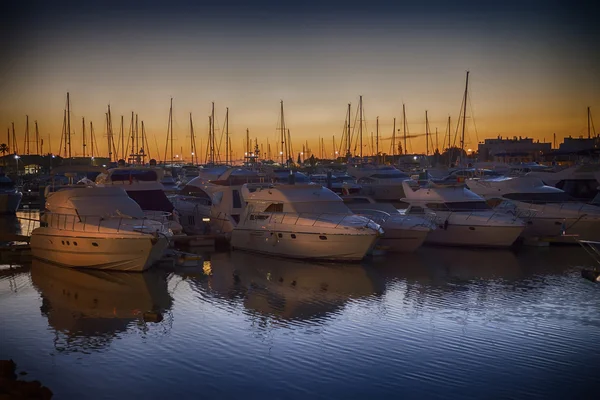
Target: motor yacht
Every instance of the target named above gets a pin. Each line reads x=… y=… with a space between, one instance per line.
x=548 y=211
x=579 y=181
x=340 y=184
x=304 y=221
x=98 y=228
x=402 y=233
x=381 y=182
x=214 y=205
x=144 y=185
x=463 y=217
x=10 y=197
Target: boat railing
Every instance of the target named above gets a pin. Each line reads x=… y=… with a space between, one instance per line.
x=93 y=223
x=306 y=219
x=160 y=216
x=592 y=248
x=380 y=217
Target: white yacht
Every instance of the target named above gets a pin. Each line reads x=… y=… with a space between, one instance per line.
x=304 y=221
x=144 y=185
x=214 y=205
x=579 y=181
x=99 y=228
x=10 y=197
x=463 y=217
x=402 y=233
x=548 y=211
x=381 y=182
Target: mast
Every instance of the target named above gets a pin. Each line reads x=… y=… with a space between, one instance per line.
x=111 y=139
x=14 y=137
x=92 y=137
x=132 y=130
x=212 y=134
x=377 y=139
x=404 y=126
x=69 y=125
x=588 y=121
x=394 y=140
x=171 y=128
x=8 y=137
x=462 y=138
x=227 y=159
x=282 y=132
x=27 y=134
x=289 y=150
x=334 y=155
x=83 y=133
x=348 y=133
x=37 y=139
x=360 y=127
x=426 y=134
x=137 y=141
x=192 y=141
x=437 y=147
x=64 y=132
x=122 y=134
x=144 y=148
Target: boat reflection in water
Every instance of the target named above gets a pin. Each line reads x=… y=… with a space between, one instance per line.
x=88 y=308
x=287 y=289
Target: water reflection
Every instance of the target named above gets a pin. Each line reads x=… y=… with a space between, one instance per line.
x=287 y=289
x=87 y=309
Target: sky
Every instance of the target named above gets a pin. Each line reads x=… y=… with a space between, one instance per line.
x=534 y=69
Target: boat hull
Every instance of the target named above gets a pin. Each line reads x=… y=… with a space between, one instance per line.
x=78 y=250
x=402 y=240
x=9 y=202
x=335 y=247
x=475 y=236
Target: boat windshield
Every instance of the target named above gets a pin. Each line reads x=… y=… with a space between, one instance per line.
x=120 y=206
x=540 y=198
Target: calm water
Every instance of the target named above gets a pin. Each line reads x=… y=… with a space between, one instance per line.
x=442 y=323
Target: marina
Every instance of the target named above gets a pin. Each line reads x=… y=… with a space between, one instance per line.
x=310 y=200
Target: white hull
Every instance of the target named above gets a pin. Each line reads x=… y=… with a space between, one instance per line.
x=96 y=252
x=402 y=240
x=336 y=247
x=479 y=236
x=9 y=202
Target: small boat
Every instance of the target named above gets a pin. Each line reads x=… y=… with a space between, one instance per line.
x=98 y=228
x=10 y=197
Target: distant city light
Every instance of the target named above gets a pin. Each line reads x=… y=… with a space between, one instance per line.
x=192 y=153
x=415 y=157
x=281 y=153
x=17 y=157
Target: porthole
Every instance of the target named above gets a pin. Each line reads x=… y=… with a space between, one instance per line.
x=68 y=243
x=94 y=244
x=63 y=242
x=74 y=243
x=279 y=235
x=293 y=235
x=471 y=228
x=323 y=237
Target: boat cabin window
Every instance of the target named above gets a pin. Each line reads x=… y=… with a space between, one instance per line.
x=540 y=198
x=237 y=202
x=321 y=207
x=196 y=192
x=579 y=188
x=275 y=208
x=416 y=210
x=356 y=200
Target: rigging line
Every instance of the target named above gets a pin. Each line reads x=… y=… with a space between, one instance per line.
x=354 y=131
x=472 y=117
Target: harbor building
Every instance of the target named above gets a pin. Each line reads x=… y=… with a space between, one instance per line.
x=515 y=150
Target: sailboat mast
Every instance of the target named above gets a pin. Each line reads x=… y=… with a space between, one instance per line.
x=212 y=134
x=394 y=140
x=27 y=134
x=404 y=126
x=192 y=139
x=171 y=128
x=588 y=121
x=37 y=139
x=437 y=147
x=132 y=130
x=144 y=148
x=122 y=134
x=348 y=137
x=334 y=155
x=83 y=133
x=69 y=124
x=462 y=138
x=247 y=142
x=92 y=137
x=8 y=137
x=111 y=139
x=426 y=134
x=282 y=133
x=377 y=139
x=227 y=159
x=137 y=141
x=64 y=132
x=360 y=126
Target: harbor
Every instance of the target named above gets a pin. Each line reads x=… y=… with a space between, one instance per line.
x=314 y=200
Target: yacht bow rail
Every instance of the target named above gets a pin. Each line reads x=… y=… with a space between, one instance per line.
x=380 y=217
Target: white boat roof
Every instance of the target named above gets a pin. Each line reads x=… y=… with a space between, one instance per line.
x=93 y=201
x=298 y=193
x=504 y=185
x=437 y=193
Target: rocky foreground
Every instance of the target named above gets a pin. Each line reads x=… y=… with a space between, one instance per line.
x=13 y=389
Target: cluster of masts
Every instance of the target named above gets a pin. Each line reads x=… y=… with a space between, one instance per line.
x=133 y=146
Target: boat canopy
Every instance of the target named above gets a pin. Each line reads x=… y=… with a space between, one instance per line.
x=93 y=201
